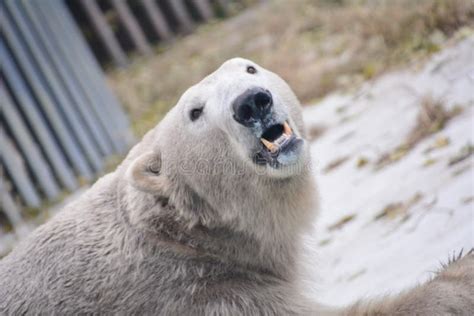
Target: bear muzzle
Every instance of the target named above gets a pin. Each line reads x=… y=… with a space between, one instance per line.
x=255 y=110
x=280 y=146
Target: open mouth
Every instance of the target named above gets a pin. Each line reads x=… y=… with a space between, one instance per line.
x=279 y=143
x=276 y=137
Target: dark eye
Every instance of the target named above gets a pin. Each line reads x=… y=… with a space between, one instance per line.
x=251 y=70
x=195 y=113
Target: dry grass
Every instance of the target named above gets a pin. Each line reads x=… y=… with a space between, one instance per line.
x=432 y=117
x=342 y=222
x=334 y=164
x=464 y=153
x=316 y=45
x=399 y=209
x=315 y=131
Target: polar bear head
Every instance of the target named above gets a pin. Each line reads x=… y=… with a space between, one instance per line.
x=231 y=152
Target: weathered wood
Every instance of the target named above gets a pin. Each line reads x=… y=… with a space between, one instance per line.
x=12 y=210
x=31 y=153
x=224 y=6
x=105 y=32
x=204 y=9
x=36 y=121
x=58 y=117
x=47 y=64
x=50 y=109
x=73 y=76
x=117 y=118
x=181 y=13
x=160 y=26
x=15 y=166
x=132 y=27
x=77 y=73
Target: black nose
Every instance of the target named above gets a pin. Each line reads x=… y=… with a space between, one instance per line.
x=253 y=105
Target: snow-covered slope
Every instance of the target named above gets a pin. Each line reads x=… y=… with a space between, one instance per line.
x=381 y=230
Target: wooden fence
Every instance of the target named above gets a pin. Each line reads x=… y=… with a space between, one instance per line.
x=59 y=120
x=116 y=28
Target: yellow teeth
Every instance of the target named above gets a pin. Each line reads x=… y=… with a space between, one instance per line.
x=271 y=146
x=287 y=129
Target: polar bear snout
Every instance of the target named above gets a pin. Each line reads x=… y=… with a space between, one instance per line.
x=252 y=106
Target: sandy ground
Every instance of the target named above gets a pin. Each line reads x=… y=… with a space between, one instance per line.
x=381 y=230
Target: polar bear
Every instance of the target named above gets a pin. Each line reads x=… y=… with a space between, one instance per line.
x=203 y=217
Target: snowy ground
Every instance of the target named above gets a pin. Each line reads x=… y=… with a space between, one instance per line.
x=427 y=201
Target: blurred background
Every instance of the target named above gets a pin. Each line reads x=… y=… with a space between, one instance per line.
x=387 y=88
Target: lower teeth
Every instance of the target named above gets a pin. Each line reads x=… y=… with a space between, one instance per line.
x=282 y=140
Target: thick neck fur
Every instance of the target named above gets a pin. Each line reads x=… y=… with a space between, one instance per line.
x=264 y=238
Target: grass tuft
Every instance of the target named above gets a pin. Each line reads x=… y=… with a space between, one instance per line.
x=432 y=117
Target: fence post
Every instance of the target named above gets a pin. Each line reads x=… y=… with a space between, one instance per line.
x=12 y=211
x=105 y=32
x=157 y=19
x=36 y=121
x=66 y=65
x=182 y=15
x=46 y=63
x=15 y=165
x=132 y=27
x=107 y=99
x=204 y=9
x=22 y=138
x=224 y=6
x=42 y=94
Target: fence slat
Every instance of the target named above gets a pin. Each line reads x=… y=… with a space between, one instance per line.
x=71 y=59
x=15 y=166
x=181 y=13
x=36 y=120
x=73 y=77
x=66 y=72
x=78 y=121
x=131 y=25
x=157 y=20
x=12 y=210
x=117 y=118
x=34 y=158
x=223 y=5
x=105 y=32
x=59 y=10
x=204 y=9
x=50 y=109
x=58 y=118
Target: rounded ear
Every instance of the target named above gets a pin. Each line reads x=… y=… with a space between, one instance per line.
x=145 y=174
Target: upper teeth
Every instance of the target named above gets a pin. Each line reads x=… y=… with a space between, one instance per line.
x=275 y=146
x=271 y=146
x=287 y=129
